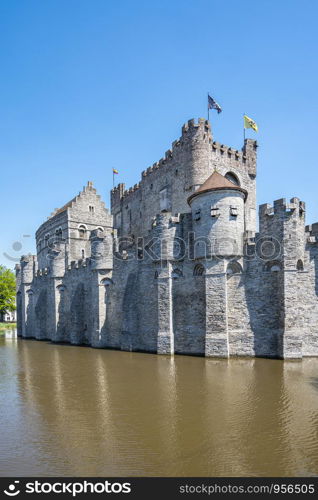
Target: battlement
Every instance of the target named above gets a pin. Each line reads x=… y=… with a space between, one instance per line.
x=312 y=233
x=78 y=264
x=230 y=152
x=193 y=125
x=281 y=206
x=166 y=220
x=190 y=131
x=131 y=190
x=28 y=258
x=42 y=272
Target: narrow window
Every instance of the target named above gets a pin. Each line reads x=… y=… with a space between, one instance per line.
x=215 y=211
x=58 y=233
x=164 y=200
x=233 y=211
x=118 y=220
x=91 y=209
x=197 y=215
x=83 y=253
x=300 y=265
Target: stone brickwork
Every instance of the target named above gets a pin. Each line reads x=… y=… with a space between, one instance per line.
x=177 y=265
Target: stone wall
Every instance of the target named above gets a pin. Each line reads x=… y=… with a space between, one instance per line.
x=168 y=183
x=156 y=292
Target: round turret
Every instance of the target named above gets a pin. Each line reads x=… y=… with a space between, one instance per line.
x=196 y=139
x=56 y=259
x=166 y=244
x=218 y=218
x=27 y=268
x=101 y=249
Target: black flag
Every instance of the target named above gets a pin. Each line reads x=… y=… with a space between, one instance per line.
x=212 y=104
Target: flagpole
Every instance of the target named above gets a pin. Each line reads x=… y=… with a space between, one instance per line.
x=244 y=129
x=113 y=178
x=208 y=108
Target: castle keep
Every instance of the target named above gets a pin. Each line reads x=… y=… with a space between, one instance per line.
x=177 y=265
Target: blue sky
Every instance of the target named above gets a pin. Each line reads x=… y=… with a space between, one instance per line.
x=90 y=85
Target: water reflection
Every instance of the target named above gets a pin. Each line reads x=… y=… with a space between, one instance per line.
x=68 y=410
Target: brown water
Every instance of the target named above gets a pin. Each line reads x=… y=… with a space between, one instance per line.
x=79 y=411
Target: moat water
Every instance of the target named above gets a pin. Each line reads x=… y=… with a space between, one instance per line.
x=76 y=411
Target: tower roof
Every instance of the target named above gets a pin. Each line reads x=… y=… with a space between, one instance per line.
x=217 y=182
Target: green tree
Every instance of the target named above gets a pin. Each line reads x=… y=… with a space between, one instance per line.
x=7 y=290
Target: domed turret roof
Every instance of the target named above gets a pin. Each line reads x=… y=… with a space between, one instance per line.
x=217 y=182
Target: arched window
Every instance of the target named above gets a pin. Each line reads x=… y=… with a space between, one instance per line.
x=233 y=178
x=176 y=273
x=100 y=229
x=273 y=266
x=82 y=232
x=83 y=253
x=58 y=233
x=106 y=282
x=300 y=265
x=198 y=270
x=233 y=268
x=156 y=275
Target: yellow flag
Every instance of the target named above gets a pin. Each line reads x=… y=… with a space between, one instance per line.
x=249 y=123
x=115 y=171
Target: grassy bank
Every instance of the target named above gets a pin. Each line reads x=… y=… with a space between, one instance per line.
x=6 y=326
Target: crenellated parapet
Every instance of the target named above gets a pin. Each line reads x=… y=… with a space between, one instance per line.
x=56 y=260
x=117 y=194
x=193 y=132
x=312 y=233
x=183 y=168
x=165 y=237
x=281 y=210
x=101 y=249
x=249 y=151
x=284 y=223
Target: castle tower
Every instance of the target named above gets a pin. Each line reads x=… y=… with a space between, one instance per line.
x=218 y=224
x=218 y=218
x=56 y=264
x=166 y=251
x=284 y=225
x=101 y=262
x=27 y=272
x=196 y=145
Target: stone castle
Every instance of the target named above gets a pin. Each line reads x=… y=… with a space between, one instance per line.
x=177 y=266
